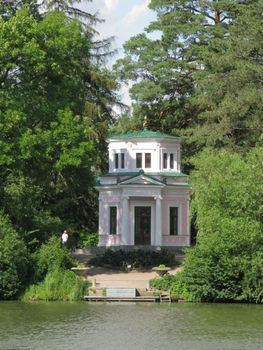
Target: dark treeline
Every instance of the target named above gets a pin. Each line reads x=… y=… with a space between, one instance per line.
x=198 y=75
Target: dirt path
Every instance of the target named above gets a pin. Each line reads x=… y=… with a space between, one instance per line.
x=106 y=278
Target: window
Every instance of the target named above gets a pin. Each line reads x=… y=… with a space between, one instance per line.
x=173 y=221
x=116 y=161
x=113 y=220
x=148 y=160
x=138 y=160
x=165 y=160
x=171 y=161
x=122 y=160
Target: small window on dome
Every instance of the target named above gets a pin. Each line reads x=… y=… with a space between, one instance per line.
x=122 y=160
x=138 y=160
x=148 y=160
x=165 y=156
x=171 y=161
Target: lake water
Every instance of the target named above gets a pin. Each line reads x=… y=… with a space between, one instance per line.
x=79 y=326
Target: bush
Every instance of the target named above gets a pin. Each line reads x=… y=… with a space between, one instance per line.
x=226 y=264
x=14 y=261
x=52 y=257
x=175 y=284
x=88 y=240
x=59 y=285
x=163 y=283
x=136 y=258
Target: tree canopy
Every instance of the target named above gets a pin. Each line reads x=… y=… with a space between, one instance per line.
x=197 y=71
x=55 y=107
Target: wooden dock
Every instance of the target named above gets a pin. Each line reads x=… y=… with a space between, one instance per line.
x=122 y=299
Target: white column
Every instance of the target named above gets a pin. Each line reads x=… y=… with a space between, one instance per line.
x=179 y=160
x=158 y=221
x=125 y=220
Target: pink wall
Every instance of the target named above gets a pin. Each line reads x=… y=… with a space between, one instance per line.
x=175 y=198
x=171 y=197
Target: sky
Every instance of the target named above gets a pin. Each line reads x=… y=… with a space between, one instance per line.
x=123 y=19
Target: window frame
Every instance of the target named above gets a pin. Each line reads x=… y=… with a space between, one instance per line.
x=176 y=232
x=113 y=221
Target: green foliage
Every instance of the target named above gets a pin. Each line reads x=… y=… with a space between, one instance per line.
x=136 y=258
x=196 y=72
x=163 y=283
x=50 y=123
x=14 y=261
x=228 y=94
x=227 y=182
x=175 y=284
x=88 y=239
x=52 y=257
x=62 y=285
x=226 y=263
x=219 y=267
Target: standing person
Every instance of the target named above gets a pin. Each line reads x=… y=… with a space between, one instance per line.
x=64 y=239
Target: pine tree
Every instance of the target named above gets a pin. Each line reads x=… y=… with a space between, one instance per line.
x=176 y=70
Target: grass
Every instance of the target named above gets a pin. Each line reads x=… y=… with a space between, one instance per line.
x=59 y=285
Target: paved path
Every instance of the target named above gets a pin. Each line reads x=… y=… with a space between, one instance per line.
x=106 y=278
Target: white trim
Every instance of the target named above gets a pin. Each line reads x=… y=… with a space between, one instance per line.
x=179 y=206
x=145 y=178
x=134 y=204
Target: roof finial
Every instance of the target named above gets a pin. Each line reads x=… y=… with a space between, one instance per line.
x=145 y=122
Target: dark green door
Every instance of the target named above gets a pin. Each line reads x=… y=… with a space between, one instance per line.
x=142 y=225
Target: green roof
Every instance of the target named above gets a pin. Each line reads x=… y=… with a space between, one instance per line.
x=143 y=134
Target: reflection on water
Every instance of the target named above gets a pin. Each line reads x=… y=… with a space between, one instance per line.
x=70 y=326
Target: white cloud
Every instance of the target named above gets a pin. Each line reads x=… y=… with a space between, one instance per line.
x=111 y=4
x=136 y=11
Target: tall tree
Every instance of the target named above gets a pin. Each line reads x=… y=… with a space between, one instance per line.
x=228 y=91
x=71 y=9
x=51 y=100
x=8 y=8
x=175 y=70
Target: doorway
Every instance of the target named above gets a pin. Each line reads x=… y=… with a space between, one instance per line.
x=142 y=225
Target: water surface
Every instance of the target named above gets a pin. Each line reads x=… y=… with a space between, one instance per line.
x=79 y=326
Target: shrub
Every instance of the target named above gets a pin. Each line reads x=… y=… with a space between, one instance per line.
x=52 y=257
x=14 y=261
x=136 y=258
x=175 y=284
x=163 y=283
x=59 y=285
x=226 y=264
x=88 y=239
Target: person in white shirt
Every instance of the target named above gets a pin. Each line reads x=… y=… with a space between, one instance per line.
x=64 y=239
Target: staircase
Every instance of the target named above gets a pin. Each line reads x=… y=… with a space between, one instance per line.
x=83 y=255
x=165 y=297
